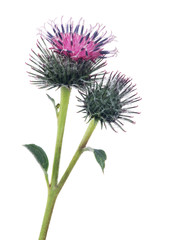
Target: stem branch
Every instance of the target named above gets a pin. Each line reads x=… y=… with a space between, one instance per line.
x=78 y=153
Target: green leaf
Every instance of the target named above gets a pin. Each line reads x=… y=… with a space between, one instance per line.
x=54 y=104
x=100 y=156
x=51 y=99
x=39 y=155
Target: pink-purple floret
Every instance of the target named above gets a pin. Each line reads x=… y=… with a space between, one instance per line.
x=77 y=43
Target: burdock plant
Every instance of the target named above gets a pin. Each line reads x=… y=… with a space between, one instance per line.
x=71 y=56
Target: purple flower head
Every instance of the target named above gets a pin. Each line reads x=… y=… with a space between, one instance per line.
x=77 y=42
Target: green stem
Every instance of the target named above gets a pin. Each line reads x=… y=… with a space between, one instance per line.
x=78 y=153
x=48 y=212
x=47 y=180
x=65 y=95
x=52 y=194
x=53 y=191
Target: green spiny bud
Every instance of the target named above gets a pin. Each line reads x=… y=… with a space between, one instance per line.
x=110 y=101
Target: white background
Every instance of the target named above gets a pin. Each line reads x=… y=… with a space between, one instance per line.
x=136 y=197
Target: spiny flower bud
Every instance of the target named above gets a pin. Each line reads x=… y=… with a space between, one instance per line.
x=53 y=70
x=110 y=101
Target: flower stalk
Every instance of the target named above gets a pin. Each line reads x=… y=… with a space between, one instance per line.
x=54 y=188
x=61 y=118
x=52 y=193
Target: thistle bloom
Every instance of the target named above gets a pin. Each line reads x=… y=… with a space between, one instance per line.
x=78 y=43
x=72 y=58
x=110 y=101
x=53 y=70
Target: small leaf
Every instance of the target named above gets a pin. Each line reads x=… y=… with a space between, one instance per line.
x=52 y=99
x=39 y=155
x=100 y=156
x=54 y=104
